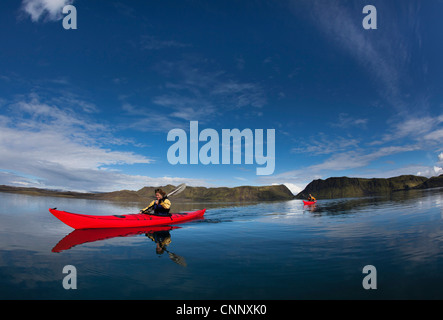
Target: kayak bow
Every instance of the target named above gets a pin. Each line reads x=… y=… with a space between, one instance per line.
x=84 y=221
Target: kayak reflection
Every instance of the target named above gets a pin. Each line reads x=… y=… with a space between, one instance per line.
x=159 y=234
x=81 y=236
x=311 y=207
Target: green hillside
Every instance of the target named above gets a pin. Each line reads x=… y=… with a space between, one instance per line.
x=344 y=187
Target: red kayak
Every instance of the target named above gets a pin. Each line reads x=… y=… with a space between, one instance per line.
x=309 y=203
x=84 y=221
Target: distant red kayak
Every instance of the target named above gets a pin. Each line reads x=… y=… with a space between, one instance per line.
x=309 y=203
x=84 y=221
x=78 y=237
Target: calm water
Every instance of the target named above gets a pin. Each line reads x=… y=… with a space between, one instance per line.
x=279 y=250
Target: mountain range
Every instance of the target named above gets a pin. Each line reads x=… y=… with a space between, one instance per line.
x=243 y=193
x=335 y=187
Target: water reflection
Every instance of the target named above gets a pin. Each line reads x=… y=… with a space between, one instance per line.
x=162 y=240
x=310 y=207
x=406 y=199
x=159 y=234
x=321 y=250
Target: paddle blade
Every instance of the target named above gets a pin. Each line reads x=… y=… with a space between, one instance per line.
x=177 y=259
x=177 y=190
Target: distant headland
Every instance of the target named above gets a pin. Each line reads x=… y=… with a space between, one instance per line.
x=344 y=187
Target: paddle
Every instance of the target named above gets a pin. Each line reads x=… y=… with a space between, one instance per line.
x=161 y=247
x=176 y=258
x=177 y=190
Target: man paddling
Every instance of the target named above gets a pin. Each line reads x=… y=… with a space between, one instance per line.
x=161 y=206
x=311 y=198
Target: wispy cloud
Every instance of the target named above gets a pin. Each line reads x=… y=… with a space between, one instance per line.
x=347 y=121
x=326 y=144
x=153 y=43
x=185 y=108
x=145 y=119
x=391 y=56
x=357 y=159
x=193 y=83
x=47 y=10
x=426 y=130
x=192 y=90
x=347 y=157
x=436 y=135
x=384 y=54
x=345 y=153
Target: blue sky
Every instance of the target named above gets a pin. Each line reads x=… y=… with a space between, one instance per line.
x=90 y=109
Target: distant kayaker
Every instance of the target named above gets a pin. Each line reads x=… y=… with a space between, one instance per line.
x=311 y=198
x=160 y=206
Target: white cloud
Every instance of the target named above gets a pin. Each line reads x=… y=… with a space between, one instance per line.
x=44 y=145
x=436 y=170
x=53 y=176
x=48 y=9
x=430 y=171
